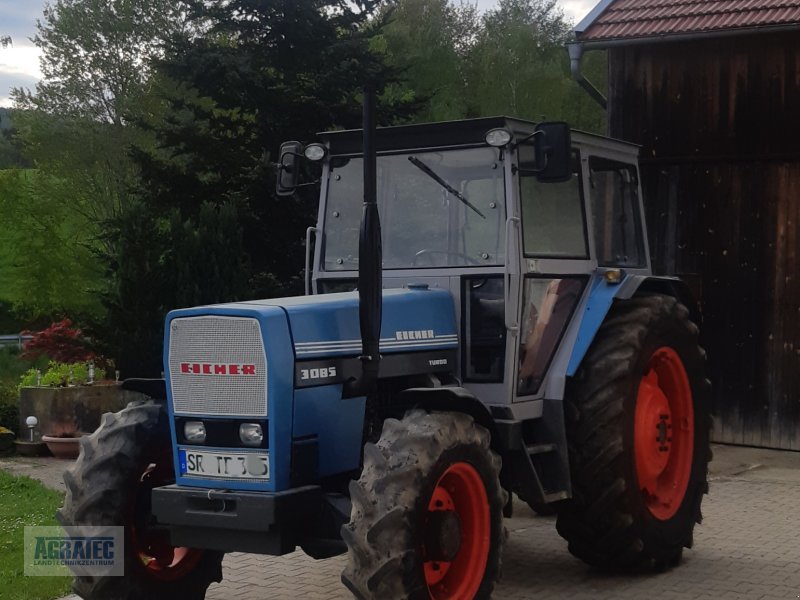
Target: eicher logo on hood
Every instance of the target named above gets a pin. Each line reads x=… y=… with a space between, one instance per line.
x=218 y=369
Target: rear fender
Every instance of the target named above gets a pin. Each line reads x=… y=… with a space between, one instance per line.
x=602 y=296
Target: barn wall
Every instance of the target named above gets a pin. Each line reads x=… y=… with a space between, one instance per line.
x=719 y=122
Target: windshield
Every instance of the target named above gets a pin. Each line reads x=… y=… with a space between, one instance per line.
x=441 y=208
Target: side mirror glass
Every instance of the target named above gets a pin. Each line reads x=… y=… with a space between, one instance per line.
x=553 y=152
x=288 y=168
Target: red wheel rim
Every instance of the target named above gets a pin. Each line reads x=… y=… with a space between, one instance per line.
x=664 y=433
x=160 y=560
x=460 y=490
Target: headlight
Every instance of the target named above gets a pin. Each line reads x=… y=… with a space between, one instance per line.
x=498 y=137
x=251 y=434
x=315 y=152
x=194 y=431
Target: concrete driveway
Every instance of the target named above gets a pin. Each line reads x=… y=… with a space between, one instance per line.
x=747 y=547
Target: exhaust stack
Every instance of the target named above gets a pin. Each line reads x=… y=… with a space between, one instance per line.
x=370 y=280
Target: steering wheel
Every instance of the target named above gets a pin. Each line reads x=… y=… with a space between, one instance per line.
x=429 y=251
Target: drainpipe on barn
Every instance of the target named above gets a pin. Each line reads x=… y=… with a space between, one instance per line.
x=575 y=50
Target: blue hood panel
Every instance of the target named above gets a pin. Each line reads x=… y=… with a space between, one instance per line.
x=327 y=325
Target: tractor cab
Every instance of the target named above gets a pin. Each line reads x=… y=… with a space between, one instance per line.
x=509 y=216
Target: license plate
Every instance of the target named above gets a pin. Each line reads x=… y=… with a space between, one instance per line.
x=225 y=465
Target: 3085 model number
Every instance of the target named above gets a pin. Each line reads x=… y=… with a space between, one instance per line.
x=320 y=373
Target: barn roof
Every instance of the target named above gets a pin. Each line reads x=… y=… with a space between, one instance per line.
x=637 y=20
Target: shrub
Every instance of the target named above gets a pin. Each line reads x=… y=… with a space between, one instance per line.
x=60 y=342
x=9 y=401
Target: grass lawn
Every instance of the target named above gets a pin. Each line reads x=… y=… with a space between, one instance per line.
x=24 y=501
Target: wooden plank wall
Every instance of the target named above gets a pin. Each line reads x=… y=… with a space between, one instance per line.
x=720 y=128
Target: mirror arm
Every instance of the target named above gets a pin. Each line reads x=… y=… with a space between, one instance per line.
x=517 y=144
x=300 y=185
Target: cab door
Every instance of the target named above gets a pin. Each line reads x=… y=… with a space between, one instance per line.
x=556 y=264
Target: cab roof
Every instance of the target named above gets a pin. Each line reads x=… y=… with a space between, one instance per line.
x=452 y=133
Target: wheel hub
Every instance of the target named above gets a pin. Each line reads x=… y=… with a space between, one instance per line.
x=443 y=539
x=653 y=428
x=664 y=433
x=457 y=537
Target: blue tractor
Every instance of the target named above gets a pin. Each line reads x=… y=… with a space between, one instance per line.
x=480 y=321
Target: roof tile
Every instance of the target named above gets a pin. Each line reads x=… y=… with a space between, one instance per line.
x=630 y=19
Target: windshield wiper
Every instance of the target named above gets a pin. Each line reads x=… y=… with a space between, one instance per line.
x=430 y=173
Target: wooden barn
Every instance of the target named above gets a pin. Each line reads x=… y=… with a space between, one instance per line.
x=711 y=90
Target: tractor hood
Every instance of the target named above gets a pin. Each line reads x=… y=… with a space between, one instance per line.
x=327 y=325
x=246 y=361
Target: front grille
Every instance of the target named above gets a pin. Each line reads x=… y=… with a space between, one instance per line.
x=217 y=366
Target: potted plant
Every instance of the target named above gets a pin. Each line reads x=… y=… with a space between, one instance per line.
x=64 y=441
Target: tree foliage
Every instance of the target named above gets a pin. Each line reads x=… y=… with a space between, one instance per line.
x=46 y=262
x=74 y=130
x=263 y=73
x=428 y=40
x=509 y=60
x=97 y=55
x=165 y=261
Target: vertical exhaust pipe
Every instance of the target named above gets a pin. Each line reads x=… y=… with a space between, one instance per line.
x=370 y=280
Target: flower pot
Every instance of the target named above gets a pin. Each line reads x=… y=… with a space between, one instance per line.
x=63 y=447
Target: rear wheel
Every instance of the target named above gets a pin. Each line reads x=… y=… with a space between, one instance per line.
x=638 y=422
x=110 y=484
x=426 y=521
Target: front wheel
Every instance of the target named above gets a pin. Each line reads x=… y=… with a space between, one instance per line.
x=110 y=484
x=426 y=519
x=638 y=421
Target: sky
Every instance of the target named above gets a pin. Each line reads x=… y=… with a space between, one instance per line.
x=19 y=63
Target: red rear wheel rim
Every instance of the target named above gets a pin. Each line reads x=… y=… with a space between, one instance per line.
x=460 y=490
x=664 y=433
x=161 y=561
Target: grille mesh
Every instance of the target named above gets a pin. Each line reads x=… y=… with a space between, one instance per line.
x=217 y=341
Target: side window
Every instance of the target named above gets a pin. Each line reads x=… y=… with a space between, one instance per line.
x=553 y=222
x=548 y=304
x=615 y=211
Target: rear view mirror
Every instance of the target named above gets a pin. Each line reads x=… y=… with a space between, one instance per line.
x=288 y=168
x=553 y=152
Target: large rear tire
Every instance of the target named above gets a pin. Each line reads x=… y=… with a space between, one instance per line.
x=638 y=421
x=110 y=485
x=426 y=520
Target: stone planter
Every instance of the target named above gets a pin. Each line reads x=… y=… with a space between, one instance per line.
x=70 y=408
x=30 y=448
x=63 y=447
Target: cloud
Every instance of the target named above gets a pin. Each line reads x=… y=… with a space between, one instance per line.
x=577 y=9
x=20 y=60
x=574 y=9
x=19 y=67
x=8 y=81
